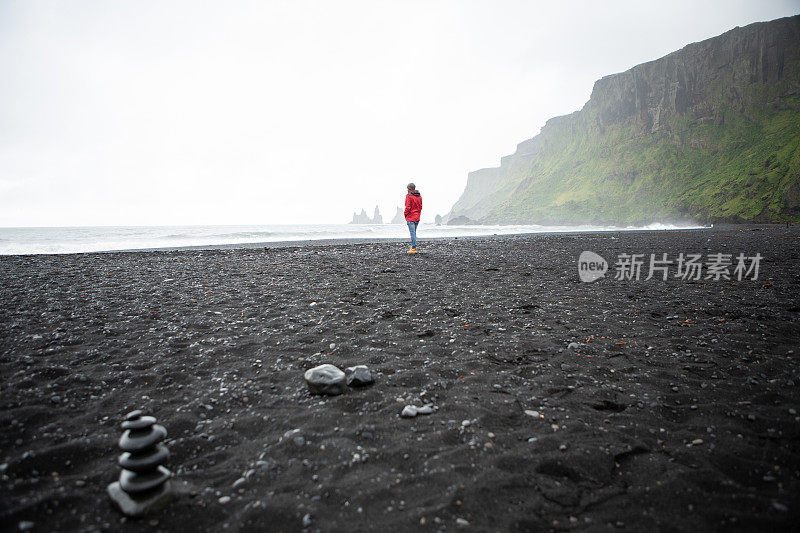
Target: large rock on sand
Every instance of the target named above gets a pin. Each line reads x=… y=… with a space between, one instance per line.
x=325 y=379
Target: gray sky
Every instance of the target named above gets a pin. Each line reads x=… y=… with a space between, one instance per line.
x=192 y=112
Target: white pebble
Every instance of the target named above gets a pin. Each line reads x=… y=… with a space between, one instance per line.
x=409 y=411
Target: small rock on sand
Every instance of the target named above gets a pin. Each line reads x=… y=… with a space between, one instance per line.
x=410 y=411
x=778 y=506
x=358 y=376
x=295 y=436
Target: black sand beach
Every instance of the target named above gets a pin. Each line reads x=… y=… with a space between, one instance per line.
x=676 y=411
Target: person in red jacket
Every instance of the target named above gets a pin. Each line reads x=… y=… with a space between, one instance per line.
x=412 y=212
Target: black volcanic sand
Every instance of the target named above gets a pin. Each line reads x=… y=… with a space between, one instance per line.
x=677 y=412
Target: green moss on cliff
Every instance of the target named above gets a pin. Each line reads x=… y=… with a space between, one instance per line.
x=740 y=170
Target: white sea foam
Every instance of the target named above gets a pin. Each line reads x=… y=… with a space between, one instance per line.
x=105 y=238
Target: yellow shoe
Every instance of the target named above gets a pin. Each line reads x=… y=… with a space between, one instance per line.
x=412 y=251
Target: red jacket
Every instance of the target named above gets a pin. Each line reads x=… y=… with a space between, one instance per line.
x=413 y=206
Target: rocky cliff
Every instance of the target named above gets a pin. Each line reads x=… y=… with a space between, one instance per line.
x=710 y=132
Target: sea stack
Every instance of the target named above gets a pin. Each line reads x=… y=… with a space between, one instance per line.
x=376 y=216
x=364 y=218
x=143 y=484
x=399 y=217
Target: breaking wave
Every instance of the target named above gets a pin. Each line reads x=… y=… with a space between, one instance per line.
x=101 y=239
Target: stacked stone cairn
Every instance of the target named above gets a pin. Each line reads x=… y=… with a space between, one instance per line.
x=143 y=484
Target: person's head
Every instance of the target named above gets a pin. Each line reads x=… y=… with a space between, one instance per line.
x=411 y=187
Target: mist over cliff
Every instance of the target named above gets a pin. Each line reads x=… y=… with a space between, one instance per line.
x=710 y=132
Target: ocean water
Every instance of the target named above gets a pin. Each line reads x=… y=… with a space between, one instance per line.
x=107 y=238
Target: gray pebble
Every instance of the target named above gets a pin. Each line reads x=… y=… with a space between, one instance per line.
x=358 y=376
x=779 y=507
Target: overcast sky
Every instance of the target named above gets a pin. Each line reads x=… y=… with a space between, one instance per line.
x=192 y=112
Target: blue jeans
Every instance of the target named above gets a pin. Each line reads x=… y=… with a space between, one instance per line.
x=412 y=229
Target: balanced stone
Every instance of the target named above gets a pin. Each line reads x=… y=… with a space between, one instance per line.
x=140 y=504
x=358 y=376
x=133 y=416
x=133 y=482
x=143 y=422
x=140 y=439
x=144 y=462
x=325 y=379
